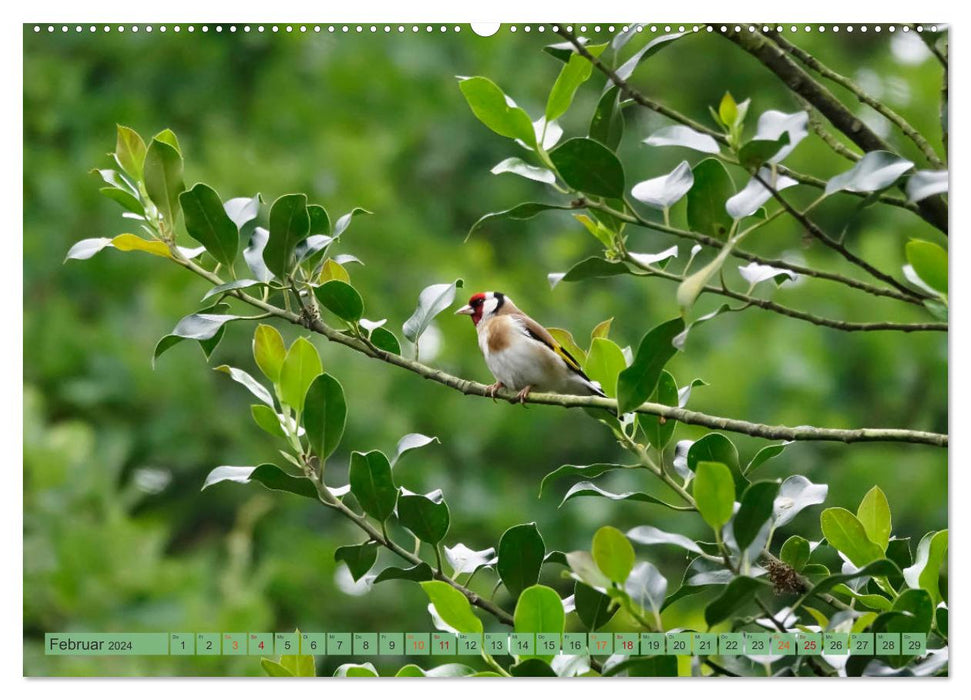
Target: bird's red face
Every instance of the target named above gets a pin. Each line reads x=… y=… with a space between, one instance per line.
x=474 y=307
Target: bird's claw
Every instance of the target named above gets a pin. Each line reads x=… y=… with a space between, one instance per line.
x=521 y=396
x=492 y=389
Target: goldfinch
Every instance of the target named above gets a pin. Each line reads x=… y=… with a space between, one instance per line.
x=520 y=353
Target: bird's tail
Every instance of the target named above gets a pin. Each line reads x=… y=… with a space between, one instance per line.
x=594 y=388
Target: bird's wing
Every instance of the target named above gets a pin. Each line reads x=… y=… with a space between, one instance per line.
x=540 y=334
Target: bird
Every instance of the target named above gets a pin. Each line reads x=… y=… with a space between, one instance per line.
x=521 y=354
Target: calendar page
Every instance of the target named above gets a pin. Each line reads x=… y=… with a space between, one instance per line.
x=551 y=349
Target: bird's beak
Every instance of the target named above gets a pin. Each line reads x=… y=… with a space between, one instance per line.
x=467 y=310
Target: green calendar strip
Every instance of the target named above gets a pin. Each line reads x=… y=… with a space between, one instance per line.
x=367 y=644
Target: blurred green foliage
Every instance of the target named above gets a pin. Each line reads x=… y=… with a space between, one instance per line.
x=118 y=537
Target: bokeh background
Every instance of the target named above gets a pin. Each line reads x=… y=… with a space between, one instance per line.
x=118 y=537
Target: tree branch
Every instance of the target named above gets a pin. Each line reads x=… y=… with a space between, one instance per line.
x=933 y=210
x=638 y=220
x=467 y=387
x=815 y=64
x=769 y=305
x=331 y=501
x=816 y=124
x=674 y=115
x=821 y=236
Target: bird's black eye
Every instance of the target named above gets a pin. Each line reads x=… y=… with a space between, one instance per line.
x=477 y=302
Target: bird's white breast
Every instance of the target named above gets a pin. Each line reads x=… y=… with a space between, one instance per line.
x=517 y=360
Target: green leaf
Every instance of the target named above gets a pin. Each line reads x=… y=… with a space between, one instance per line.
x=636 y=383
x=607 y=124
x=651 y=48
x=365 y=670
x=432 y=301
x=764 y=455
x=385 y=340
x=754 y=510
x=532 y=668
x=409 y=442
x=324 y=415
x=648 y=534
x=230 y=286
x=341 y=299
x=918 y=603
x=737 y=593
x=253 y=254
x=201 y=326
x=685 y=136
x=875 y=171
x=576 y=72
x=87 y=248
x=426 y=516
x=267 y=419
x=714 y=492
x=874 y=515
x=601 y=330
x=168 y=136
x=647 y=587
x=520 y=212
x=590 y=471
x=274 y=669
x=584 y=568
x=593 y=607
x=646 y=667
x=299 y=665
x=130 y=152
x=163 y=179
x=247 y=381
x=289 y=224
x=590 y=268
x=207 y=222
x=124 y=198
x=345 y=220
x=604 y=362
x=757 y=151
x=517 y=166
x=269 y=351
x=665 y=191
x=586 y=488
x=694 y=284
x=613 y=553
x=300 y=367
x=706 y=200
x=372 y=484
x=589 y=166
x=847 y=534
x=491 y=107
x=728 y=110
x=269 y=475
x=319 y=220
x=538 y=610
x=929 y=261
x=657 y=429
x=453 y=607
x=795 y=552
x=358 y=557
x=242 y=210
x=521 y=551
x=926 y=571
x=419 y=572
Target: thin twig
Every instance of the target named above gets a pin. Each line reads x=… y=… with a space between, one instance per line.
x=835 y=145
x=331 y=501
x=774 y=57
x=674 y=115
x=638 y=220
x=821 y=236
x=775 y=307
x=815 y=64
x=769 y=432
